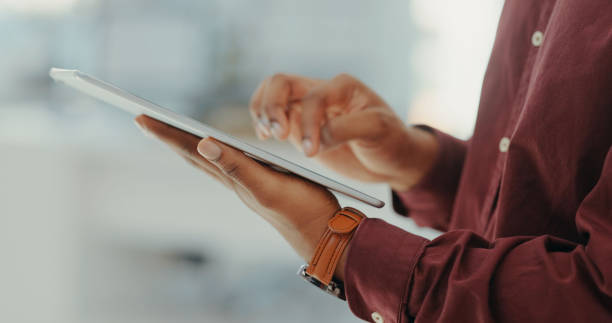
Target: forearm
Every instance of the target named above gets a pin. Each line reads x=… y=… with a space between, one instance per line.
x=430 y=201
x=419 y=152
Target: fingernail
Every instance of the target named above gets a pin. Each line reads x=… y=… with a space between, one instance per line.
x=265 y=122
x=209 y=150
x=307 y=146
x=144 y=130
x=263 y=129
x=260 y=135
x=276 y=129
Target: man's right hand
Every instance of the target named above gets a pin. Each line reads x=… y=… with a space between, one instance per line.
x=344 y=125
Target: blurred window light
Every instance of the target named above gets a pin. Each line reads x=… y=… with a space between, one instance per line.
x=37 y=6
x=451 y=60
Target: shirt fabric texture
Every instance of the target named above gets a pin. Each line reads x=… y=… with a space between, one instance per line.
x=526 y=204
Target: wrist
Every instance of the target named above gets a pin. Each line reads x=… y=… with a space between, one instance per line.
x=304 y=236
x=328 y=262
x=419 y=155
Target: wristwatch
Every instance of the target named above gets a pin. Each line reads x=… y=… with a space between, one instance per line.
x=320 y=270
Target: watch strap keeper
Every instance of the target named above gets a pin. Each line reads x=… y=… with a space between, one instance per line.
x=340 y=229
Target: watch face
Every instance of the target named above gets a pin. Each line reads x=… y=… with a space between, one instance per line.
x=334 y=288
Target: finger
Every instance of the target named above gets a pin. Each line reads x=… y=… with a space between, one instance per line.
x=206 y=166
x=295 y=131
x=197 y=165
x=203 y=164
x=234 y=164
x=256 y=98
x=183 y=143
x=255 y=109
x=179 y=140
x=275 y=102
x=282 y=89
x=261 y=132
x=369 y=124
x=333 y=94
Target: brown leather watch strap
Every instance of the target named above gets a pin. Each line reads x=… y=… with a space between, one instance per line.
x=340 y=229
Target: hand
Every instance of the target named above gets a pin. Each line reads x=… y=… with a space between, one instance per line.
x=297 y=208
x=344 y=125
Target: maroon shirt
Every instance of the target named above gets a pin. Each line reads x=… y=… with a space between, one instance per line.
x=526 y=203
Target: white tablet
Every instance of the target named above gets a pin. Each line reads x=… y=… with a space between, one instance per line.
x=136 y=106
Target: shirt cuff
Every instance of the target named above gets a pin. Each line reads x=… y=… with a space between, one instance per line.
x=430 y=201
x=380 y=262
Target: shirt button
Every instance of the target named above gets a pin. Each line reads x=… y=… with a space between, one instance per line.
x=504 y=144
x=537 y=38
x=377 y=317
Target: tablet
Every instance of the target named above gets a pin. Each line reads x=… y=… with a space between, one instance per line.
x=136 y=106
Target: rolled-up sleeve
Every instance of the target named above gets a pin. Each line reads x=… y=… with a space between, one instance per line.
x=379 y=266
x=430 y=202
x=461 y=276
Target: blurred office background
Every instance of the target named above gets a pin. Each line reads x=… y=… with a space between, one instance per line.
x=100 y=224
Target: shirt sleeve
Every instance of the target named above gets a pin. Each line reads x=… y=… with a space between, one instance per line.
x=462 y=277
x=430 y=202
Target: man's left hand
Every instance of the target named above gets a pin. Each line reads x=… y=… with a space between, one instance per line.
x=297 y=208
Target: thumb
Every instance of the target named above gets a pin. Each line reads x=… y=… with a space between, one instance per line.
x=370 y=124
x=233 y=163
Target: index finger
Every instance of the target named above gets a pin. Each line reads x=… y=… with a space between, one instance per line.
x=281 y=90
x=335 y=93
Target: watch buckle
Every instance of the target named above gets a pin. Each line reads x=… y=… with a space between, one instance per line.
x=334 y=288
